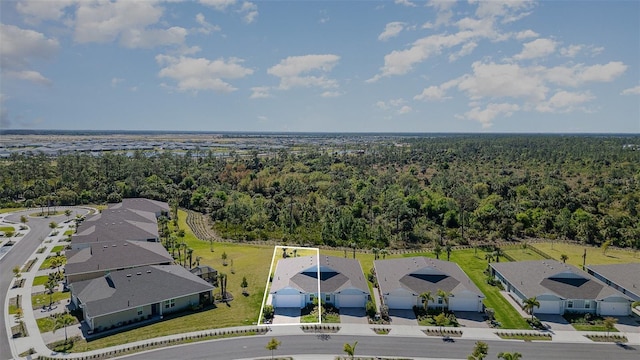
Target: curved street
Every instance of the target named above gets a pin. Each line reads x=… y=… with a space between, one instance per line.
x=320 y=347
x=19 y=254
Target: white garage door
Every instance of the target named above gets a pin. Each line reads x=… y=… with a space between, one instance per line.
x=460 y=304
x=548 y=307
x=612 y=308
x=347 y=301
x=288 y=301
x=400 y=302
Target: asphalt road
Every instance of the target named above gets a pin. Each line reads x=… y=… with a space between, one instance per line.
x=379 y=345
x=18 y=255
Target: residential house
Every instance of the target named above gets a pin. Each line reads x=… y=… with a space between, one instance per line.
x=147 y=292
x=559 y=288
x=622 y=277
x=99 y=259
x=297 y=281
x=402 y=281
x=159 y=208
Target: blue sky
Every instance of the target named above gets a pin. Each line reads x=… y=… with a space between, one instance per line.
x=330 y=66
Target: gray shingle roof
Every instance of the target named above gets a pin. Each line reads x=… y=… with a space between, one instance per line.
x=115 y=230
x=143 y=204
x=624 y=275
x=114 y=215
x=420 y=274
x=115 y=255
x=127 y=289
x=336 y=274
x=538 y=277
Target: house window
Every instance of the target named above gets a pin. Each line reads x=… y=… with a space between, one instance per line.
x=327 y=298
x=169 y=303
x=139 y=310
x=439 y=301
x=570 y=304
x=587 y=304
x=312 y=297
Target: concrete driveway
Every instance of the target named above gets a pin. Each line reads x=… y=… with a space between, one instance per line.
x=353 y=316
x=555 y=322
x=402 y=317
x=286 y=316
x=629 y=324
x=471 y=319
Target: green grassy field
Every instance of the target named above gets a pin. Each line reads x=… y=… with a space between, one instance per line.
x=43 y=299
x=57 y=248
x=523 y=254
x=7 y=229
x=595 y=255
x=40 y=280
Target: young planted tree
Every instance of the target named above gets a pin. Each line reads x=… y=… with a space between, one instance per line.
x=16 y=272
x=480 y=351
x=437 y=250
x=609 y=323
x=349 y=349
x=24 y=219
x=244 y=285
x=273 y=345
x=51 y=285
x=62 y=321
x=224 y=258
x=509 y=356
x=426 y=297
x=564 y=258
x=530 y=304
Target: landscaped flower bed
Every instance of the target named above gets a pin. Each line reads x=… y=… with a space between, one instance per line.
x=526 y=336
x=608 y=338
x=442 y=332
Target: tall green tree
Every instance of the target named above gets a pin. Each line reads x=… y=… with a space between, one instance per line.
x=480 y=351
x=530 y=304
x=62 y=322
x=273 y=345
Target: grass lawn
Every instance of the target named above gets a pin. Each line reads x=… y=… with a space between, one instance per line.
x=8 y=210
x=7 y=229
x=46 y=264
x=40 y=280
x=595 y=327
x=48 y=323
x=594 y=254
x=57 y=248
x=523 y=254
x=43 y=299
x=68 y=232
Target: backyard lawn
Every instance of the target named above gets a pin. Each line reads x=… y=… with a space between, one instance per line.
x=595 y=255
x=523 y=254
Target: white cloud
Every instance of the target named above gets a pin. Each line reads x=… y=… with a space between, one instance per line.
x=391 y=30
x=465 y=50
x=580 y=74
x=20 y=47
x=631 y=91
x=260 y=92
x=219 y=5
x=141 y=38
x=29 y=75
x=194 y=74
x=537 y=48
x=433 y=93
x=116 y=81
x=205 y=27
x=509 y=11
x=291 y=70
x=405 y=110
x=405 y=3
x=571 y=50
x=250 y=11
x=526 y=34
x=503 y=80
x=485 y=116
x=564 y=101
x=36 y=11
x=330 y=94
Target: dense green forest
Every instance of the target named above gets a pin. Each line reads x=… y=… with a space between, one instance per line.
x=393 y=192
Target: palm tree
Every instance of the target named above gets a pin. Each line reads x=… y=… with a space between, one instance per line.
x=53 y=225
x=444 y=296
x=384 y=253
x=488 y=257
x=67 y=213
x=353 y=246
x=448 y=249
x=350 y=349
x=564 y=258
x=497 y=253
x=437 y=250
x=375 y=252
x=509 y=356
x=23 y=219
x=480 y=351
x=190 y=255
x=273 y=345
x=426 y=297
x=62 y=322
x=530 y=304
x=51 y=287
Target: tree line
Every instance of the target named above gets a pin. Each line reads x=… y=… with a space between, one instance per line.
x=390 y=192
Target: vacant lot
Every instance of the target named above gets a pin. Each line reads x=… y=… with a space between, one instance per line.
x=595 y=255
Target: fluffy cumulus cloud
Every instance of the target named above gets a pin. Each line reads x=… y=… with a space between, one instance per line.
x=247 y=9
x=36 y=11
x=391 y=30
x=397 y=106
x=205 y=27
x=537 y=48
x=249 y=12
x=503 y=80
x=578 y=75
x=565 y=101
x=196 y=74
x=20 y=47
x=486 y=115
x=295 y=71
x=220 y=5
x=130 y=22
x=631 y=91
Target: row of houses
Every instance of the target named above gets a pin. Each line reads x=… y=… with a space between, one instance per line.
x=119 y=273
x=557 y=286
